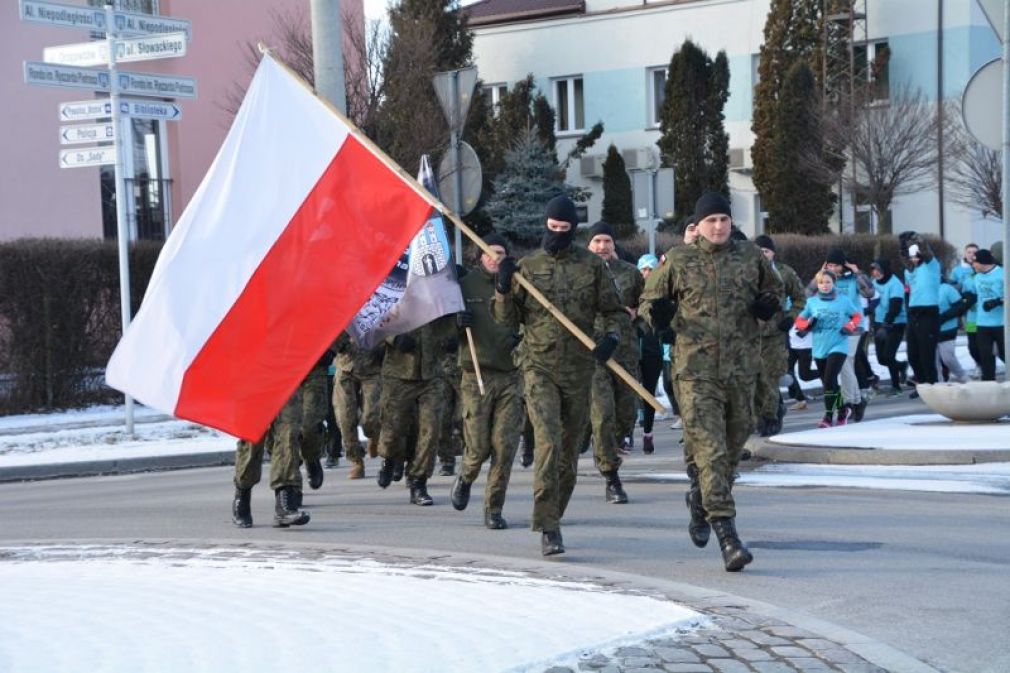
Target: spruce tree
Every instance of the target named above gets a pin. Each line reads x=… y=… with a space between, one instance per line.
x=618 y=209
x=693 y=138
x=802 y=200
x=528 y=180
x=793 y=32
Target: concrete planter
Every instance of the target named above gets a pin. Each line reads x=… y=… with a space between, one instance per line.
x=967 y=402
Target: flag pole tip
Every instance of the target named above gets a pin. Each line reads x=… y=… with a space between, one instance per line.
x=264 y=49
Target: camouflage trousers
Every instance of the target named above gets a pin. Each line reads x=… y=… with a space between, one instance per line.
x=558 y=407
x=450 y=441
x=492 y=424
x=718 y=417
x=405 y=404
x=356 y=401
x=294 y=436
x=612 y=415
x=774 y=363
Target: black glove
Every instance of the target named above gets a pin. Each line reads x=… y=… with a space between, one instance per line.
x=662 y=312
x=404 y=343
x=451 y=345
x=765 y=306
x=606 y=346
x=506 y=269
x=785 y=324
x=464 y=319
x=990 y=304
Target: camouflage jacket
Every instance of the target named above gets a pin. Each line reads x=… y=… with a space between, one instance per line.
x=629 y=284
x=715 y=287
x=793 y=302
x=424 y=362
x=493 y=341
x=353 y=359
x=577 y=282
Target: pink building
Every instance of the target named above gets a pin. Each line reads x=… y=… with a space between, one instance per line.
x=169 y=158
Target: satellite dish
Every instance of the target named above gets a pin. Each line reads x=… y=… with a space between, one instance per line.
x=981 y=104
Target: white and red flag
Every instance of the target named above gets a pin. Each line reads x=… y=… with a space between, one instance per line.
x=292 y=229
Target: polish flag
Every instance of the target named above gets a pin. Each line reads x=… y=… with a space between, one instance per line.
x=292 y=229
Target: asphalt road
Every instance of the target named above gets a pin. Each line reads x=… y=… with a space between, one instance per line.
x=923 y=572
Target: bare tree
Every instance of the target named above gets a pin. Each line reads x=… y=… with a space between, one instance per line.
x=974 y=173
x=891 y=149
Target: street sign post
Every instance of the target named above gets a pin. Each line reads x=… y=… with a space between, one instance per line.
x=454 y=89
x=130 y=23
x=88 y=156
x=150 y=109
x=161 y=86
x=46 y=74
x=86 y=133
x=83 y=110
x=83 y=54
x=63 y=16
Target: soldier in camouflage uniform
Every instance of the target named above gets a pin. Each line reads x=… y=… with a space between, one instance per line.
x=295 y=435
x=450 y=441
x=769 y=407
x=356 y=399
x=493 y=421
x=412 y=387
x=557 y=367
x=613 y=409
x=714 y=292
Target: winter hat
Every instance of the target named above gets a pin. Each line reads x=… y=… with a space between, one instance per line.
x=766 y=242
x=736 y=234
x=835 y=256
x=562 y=208
x=495 y=238
x=711 y=203
x=984 y=256
x=601 y=228
x=647 y=261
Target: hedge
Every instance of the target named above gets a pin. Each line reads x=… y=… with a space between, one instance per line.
x=60 y=319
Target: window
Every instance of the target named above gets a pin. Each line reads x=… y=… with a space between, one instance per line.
x=872 y=65
x=657 y=94
x=493 y=94
x=148 y=211
x=569 y=105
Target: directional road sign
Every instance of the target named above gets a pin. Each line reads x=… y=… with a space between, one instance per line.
x=64 y=16
x=162 y=86
x=129 y=23
x=150 y=109
x=93 y=156
x=87 y=133
x=46 y=74
x=83 y=54
x=82 y=110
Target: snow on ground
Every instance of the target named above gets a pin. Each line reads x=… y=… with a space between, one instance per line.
x=73 y=609
x=918 y=432
x=113 y=414
x=986 y=478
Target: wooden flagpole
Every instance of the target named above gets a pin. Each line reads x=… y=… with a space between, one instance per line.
x=419 y=189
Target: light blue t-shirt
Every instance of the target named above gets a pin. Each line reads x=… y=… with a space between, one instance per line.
x=989 y=285
x=891 y=289
x=924 y=284
x=831 y=315
x=948 y=297
x=959 y=273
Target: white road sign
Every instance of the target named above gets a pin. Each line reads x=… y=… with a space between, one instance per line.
x=162 y=86
x=129 y=23
x=64 y=16
x=94 y=156
x=87 y=133
x=81 y=110
x=150 y=109
x=83 y=54
x=169 y=45
x=46 y=74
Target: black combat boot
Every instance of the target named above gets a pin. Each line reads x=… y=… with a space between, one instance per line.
x=734 y=555
x=315 y=471
x=286 y=512
x=385 y=473
x=447 y=468
x=698 y=528
x=494 y=521
x=241 y=511
x=398 y=470
x=419 y=492
x=332 y=455
x=615 y=491
x=550 y=543
x=460 y=493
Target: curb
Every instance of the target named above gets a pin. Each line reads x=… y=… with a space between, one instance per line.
x=698 y=598
x=95 y=468
x=763 y=448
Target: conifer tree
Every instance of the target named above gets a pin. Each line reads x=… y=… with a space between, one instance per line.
x=618 y=209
